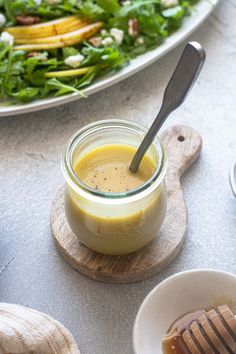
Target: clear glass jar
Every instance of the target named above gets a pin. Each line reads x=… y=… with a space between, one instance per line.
x=114 y=223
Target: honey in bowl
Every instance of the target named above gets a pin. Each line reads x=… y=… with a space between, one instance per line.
x=173 y=342
x=202 y=331
x=109 y=209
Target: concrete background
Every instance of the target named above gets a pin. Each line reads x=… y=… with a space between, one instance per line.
x=33 y=274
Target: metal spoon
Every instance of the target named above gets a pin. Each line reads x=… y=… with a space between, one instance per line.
x=183 y=78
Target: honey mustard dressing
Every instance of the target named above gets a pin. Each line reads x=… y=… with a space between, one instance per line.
x=115 y=226
x=107 y=169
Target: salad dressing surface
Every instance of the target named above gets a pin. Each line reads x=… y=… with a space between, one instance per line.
x=107 y=169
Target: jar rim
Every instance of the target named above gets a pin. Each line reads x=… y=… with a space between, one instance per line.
x=90 y=193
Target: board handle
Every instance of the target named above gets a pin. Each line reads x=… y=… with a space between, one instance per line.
x=183 y=146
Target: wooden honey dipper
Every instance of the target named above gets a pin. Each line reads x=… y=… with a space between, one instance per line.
x=213 y=333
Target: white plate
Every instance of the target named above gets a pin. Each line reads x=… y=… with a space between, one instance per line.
x=232 y=178
x=176 y=296
x=202 y=10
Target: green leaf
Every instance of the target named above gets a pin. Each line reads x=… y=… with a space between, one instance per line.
x=4 y=49
x=134 y=6
x=27 y=94
x=86 y=79
x=37 y=78
x=108 y=56
x=109 y=5
x=93 y=11
x=55 y=84
x=68 y=51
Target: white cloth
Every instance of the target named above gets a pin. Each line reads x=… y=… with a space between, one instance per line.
x=27 y=331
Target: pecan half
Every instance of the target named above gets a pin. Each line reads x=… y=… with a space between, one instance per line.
x=36 y=54
x=32 y=55
x=133 y=27
x=95 y=41
x=27 y=20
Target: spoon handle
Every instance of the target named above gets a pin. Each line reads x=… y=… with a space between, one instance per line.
x=183 y=78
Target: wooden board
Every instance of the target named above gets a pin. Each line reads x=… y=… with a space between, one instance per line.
x=183 y=145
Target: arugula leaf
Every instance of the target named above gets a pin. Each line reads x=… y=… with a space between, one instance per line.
x=110 y=6
x=134 y=6
x=86 y=80
x=60 y=88
x=68 y=51
x=103 y=57
x=93 y=11
x=27 y=94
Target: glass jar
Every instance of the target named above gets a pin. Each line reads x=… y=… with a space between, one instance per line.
x=114 y=223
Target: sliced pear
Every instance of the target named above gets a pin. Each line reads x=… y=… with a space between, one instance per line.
x=45 y=29
x=29 y=30
x=69 y=36
x=69 y=73
x=52 y=31
x=47 y=38
x=42 y=39
x=64 y=40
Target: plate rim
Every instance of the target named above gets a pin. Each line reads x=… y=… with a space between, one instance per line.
x=132 y=68
x=232 y=178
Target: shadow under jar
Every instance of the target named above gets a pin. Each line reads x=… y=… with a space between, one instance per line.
x=114 y=223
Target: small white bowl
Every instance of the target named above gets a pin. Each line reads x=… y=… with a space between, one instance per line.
x=175 y=296
x=232 y=178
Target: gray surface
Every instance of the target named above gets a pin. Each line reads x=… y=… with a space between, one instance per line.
x=33 y=274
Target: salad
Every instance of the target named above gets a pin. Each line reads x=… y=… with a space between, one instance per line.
x=56 y=47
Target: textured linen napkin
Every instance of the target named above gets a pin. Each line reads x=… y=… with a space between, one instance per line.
x=27 y=331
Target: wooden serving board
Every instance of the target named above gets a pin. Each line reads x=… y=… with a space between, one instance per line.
x=183 y=145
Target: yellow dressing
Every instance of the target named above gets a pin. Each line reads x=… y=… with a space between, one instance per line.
x=106 y=169
x=119 y=227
